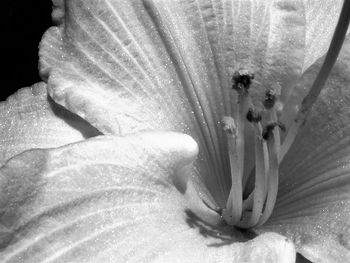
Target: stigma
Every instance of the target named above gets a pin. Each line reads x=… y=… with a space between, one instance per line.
x=269 y=152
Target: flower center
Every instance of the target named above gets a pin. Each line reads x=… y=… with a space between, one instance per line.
x=269 y=151
x=257 y=208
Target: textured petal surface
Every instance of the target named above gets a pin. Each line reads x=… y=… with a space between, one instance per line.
x=320 y=18
x=117 y=64
x=117 y=200
x=161 y=54
x=28 y=119
x=127 y=66
x=313 y=205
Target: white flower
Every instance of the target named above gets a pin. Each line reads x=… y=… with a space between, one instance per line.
x=143 y=73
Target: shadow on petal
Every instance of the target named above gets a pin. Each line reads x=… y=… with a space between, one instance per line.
x=73 y=120
x=223 y=233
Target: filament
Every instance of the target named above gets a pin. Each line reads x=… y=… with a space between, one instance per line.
x=269 y=152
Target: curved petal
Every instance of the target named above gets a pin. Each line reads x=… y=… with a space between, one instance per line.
x=278 y=40
x=161 y=54
x=127 y=66
x=30 y=120
x=113 y=199
x=313 y=204
x=119 y=65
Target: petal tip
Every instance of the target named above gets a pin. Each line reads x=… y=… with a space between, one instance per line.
x=190 y=147
x=182 y=148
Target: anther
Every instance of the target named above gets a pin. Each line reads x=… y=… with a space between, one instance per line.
x=270 y=99
x=235 y=132
x=253 y=115
x=242 y=79
x=267 y=131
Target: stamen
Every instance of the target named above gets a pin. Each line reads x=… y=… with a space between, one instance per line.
x=266 y=165
x=267 y=147
x=271 y=97
x=248 y=203
x=244 y=104
x=258 y=196
x=241 y=82
x=331 y=57
x=270 y=137
x=258 y=207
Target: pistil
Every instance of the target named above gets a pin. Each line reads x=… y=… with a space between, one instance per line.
x=233 y=212
x=271 y=135
x=269 y=152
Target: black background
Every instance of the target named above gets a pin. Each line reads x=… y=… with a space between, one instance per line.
x=24 y=23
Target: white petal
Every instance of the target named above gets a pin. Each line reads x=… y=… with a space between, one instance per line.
x=117 y=200
x=313 y=206
x=112 y=63
x=321 y=18
x=127 y=66
x=29 y=120
x=124 y=66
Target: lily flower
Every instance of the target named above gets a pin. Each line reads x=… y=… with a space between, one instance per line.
x=182 y=131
